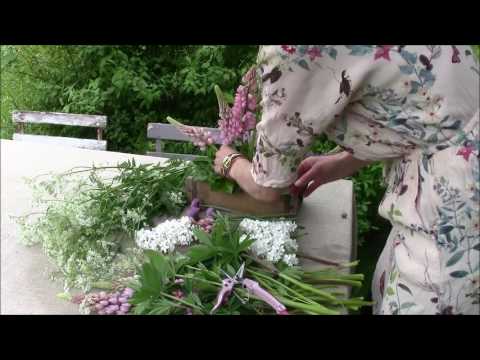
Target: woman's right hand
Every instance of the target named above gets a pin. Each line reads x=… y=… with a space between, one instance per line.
x=318 y=170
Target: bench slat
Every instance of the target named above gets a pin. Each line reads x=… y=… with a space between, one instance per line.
x=186 y=157
x=160 y=131
x=63 y=141
x=98 y=121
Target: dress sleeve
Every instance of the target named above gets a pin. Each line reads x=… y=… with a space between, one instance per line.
x=304 y=88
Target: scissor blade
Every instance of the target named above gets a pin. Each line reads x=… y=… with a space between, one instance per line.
x=239 y=274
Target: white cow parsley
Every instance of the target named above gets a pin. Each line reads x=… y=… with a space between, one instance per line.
x=273 y=240
x=166 y=235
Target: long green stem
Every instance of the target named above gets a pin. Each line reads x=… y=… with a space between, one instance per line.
x=181 y=301
x=307 y=287
x=260 y=276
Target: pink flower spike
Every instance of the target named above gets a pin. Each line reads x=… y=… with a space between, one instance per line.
x=283 y=312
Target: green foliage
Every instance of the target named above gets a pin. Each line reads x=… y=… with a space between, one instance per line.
x=86 y=220
x=132 y=85
x=202 y=271
x=202 y=170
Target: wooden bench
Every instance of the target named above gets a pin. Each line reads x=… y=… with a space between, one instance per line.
x=20 y=118
x=160 y=131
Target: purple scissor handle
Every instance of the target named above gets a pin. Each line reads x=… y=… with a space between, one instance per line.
x=227 y=287
x=258 y=291
x=252 y=286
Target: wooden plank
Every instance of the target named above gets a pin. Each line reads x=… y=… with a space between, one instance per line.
x=186 y=157
x=99 y=121
x=170 y=132
x=63 y=141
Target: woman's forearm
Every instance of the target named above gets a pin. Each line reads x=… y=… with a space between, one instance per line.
x=241 y=173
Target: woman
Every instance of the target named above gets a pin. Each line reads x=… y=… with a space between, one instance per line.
x=414 y=107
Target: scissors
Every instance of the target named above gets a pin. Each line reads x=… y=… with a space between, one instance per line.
x=251 y=286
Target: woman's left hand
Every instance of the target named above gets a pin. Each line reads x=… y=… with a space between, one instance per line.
x=220 y=155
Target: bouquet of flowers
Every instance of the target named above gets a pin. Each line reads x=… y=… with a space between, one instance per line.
x=236 y=125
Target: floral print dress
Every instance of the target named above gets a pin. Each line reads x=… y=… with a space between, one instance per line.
x=417 y=109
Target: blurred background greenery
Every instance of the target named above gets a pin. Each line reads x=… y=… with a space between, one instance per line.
x=135 y=85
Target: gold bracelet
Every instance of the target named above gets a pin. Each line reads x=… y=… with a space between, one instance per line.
x=228 y=162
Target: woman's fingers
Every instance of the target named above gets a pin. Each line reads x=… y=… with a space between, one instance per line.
x=305 y=165
x=305 y=178
x=312 y=187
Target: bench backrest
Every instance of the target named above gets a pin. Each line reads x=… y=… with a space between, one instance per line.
x=161 y=131
x=20 y=118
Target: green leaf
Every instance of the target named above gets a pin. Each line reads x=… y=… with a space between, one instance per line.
x=455 y=258
x=202 y=236
x=459 y=274
x=200 y=253
x=245 y=244
x=446 y=229
x=150 y=281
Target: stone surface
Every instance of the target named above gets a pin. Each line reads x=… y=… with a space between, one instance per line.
x=25 y=286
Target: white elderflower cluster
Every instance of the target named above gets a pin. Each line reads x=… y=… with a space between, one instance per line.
x=176 y=198
x=273 y=240
x=166 y=235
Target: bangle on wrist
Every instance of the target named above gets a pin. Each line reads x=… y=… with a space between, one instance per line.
x=228 y=163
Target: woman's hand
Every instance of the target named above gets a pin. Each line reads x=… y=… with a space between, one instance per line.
x=219 y=156
x=318 y=170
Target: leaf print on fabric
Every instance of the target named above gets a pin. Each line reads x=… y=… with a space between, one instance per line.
x=407 y=305
x=407 y=69
x=409 y=57
x=459 y=274
x=382 y=283
x=455 y=258
x=289 y=154
x=303 y=63
x=273 y=75
x=275 y=98
x=360 y=50
x=295 y=121
x=405 y=287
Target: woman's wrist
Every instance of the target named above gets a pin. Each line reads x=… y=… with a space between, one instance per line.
x=238 y=167
x=350 y=162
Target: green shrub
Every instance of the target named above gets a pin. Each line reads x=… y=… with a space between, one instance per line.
x=132 y=85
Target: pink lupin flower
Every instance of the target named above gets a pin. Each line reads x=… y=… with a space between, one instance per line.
x=199 y=136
